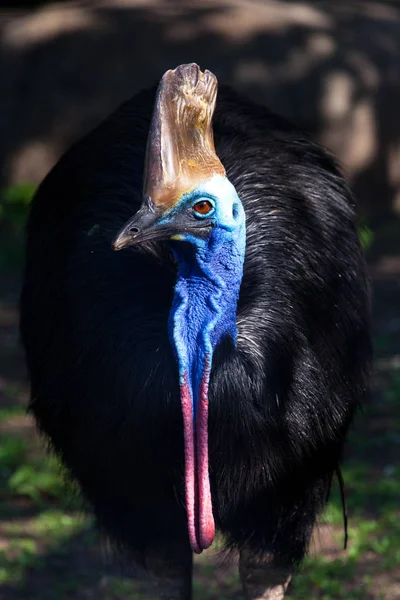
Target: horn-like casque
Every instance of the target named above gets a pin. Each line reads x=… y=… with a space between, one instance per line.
x=180 y=149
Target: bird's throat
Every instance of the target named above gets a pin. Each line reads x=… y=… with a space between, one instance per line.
x=203 y=312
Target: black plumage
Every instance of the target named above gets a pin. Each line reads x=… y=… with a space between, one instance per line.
x=95 y=328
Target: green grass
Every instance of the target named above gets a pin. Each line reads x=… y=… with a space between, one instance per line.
x=26 y=471
x=345 y=577
x=121 y=588
x=14 y=207
x=32 y=538
x=10 y=412
x=30 y=476
x=373 y=495
x=15 y=201
x=366 y=235
x=328 y=579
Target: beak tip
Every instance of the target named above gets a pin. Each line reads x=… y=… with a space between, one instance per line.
x=117 y=244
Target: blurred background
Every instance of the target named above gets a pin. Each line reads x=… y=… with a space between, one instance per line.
x=333 y=68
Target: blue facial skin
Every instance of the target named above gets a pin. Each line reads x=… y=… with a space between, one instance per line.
x=209 y=276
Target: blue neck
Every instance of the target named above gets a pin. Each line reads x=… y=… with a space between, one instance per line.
x=205 y=303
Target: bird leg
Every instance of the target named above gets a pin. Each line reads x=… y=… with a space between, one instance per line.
x=260 y=579
x=171 y=568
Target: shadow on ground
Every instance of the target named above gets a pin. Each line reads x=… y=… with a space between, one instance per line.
x=332 y=67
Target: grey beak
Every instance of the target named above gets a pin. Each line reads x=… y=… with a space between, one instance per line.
x=141 y=227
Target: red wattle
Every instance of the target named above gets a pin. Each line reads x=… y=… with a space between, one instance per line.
x=201 y=526
x=190 y=466
x=206 y=526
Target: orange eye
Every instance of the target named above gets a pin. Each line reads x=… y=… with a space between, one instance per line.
x=203 y=207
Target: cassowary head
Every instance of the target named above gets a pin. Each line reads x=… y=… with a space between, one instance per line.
x=189 y=201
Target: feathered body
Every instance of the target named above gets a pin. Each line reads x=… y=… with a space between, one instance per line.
x=105 y=383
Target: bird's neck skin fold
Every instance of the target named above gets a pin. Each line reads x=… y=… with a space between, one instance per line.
x=203 y=312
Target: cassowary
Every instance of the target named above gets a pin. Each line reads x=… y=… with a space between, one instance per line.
x=196 y=325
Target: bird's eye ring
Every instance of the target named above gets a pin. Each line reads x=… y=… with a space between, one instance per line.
x=202 y=208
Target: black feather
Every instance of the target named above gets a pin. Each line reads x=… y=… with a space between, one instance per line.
x=104 y=379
